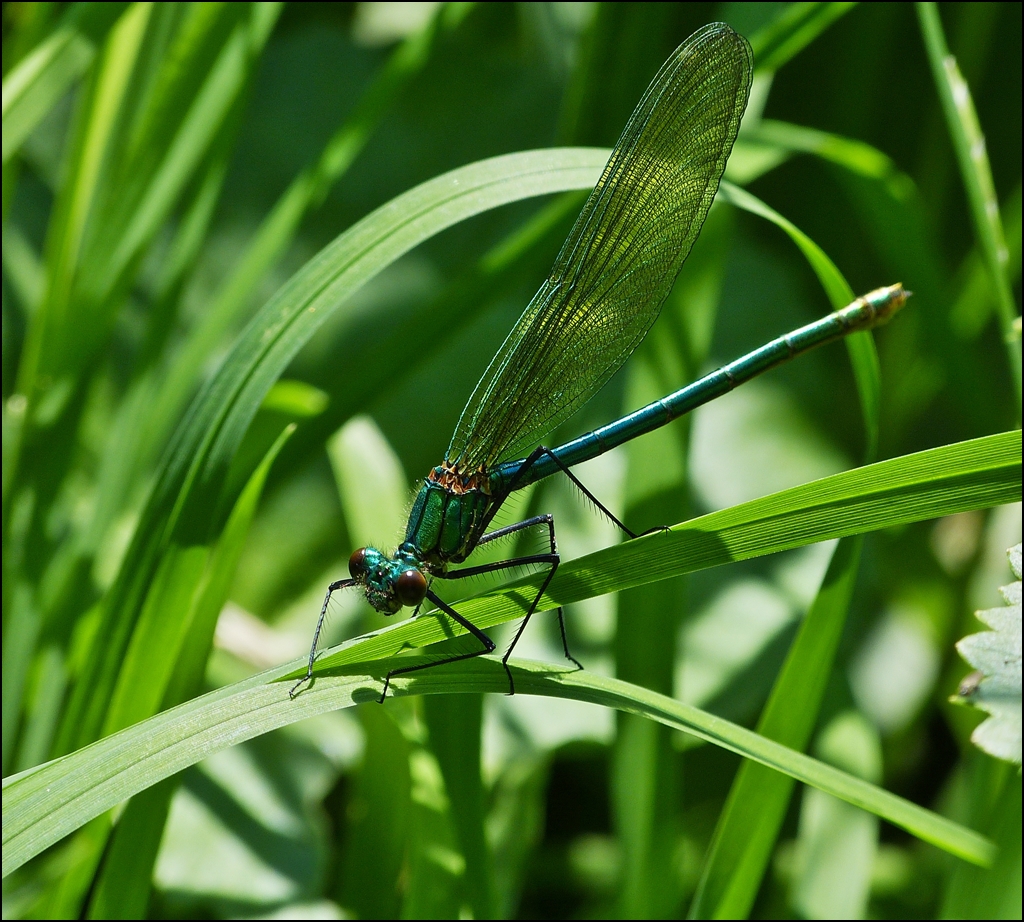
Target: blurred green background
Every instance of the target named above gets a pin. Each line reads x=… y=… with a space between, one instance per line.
x=335 y=109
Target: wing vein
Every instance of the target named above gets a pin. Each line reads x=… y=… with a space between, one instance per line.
x=622 y=256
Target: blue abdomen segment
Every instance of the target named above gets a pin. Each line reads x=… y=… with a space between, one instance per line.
x=868 y=311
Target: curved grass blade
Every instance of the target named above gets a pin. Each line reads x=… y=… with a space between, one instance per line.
x=792 y=30
x=43 y=805
x=749 y=824
x=121 y=890
x=975 y=474
x=38 y=81
x=197 y=462
x=782 y=139
x=619 y=263
x=929 y=484
x=859 y=346
x=747 y=828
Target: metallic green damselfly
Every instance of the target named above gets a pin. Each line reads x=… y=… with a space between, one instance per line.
x=604 y=292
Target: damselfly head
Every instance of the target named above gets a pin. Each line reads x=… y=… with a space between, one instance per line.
x=390 y=582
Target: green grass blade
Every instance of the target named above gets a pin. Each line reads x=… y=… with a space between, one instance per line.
x=975 y=300
x=372 y=860
x=646 y=765
x=756 y=806
x=938 y=482
x=972 y=157
x=197 y=463
x=81 y=189
x=160 y=91
x=992 y=893
x=975 y=474
x=747 y=828
x=837 y=844
x=45 y=804
x=39 y=80
x=121 y=888
x=455 y=723
x=163 y=668
x=190 y=139
x=792 y=30
x=859 y=346
x=856 y=156
x=278 y=229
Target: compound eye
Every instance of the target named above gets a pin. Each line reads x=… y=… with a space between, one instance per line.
x=357 y=565
x=411 y=587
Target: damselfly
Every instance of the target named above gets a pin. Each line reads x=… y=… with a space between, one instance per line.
x=605 y=291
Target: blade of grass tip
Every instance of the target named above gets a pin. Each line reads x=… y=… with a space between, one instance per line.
x=856 y=156
x=749 y=824
x=122 y=886
x=972 y=157
x=43 y=805
x=42 y=77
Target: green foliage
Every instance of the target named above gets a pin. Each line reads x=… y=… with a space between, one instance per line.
x=254 y=258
